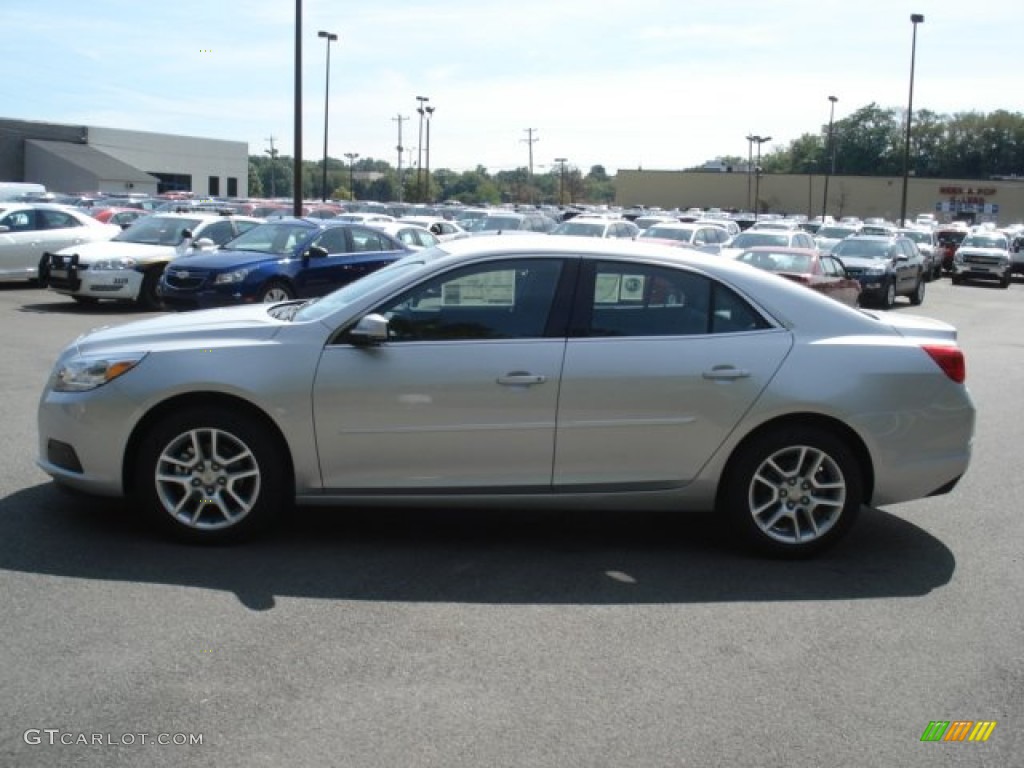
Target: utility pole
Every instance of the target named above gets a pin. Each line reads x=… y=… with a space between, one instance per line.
x=530 y=141
x=273 y=165
x=419 y=157
x=399 y=119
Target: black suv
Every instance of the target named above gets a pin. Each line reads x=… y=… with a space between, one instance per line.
x=886 y=266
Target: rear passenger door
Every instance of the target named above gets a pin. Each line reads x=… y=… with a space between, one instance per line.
x=660 y=365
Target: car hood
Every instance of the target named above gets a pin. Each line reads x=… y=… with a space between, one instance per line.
x=863 y=262
x=251 y=322
x=914 y=325
x=973 y=250
x=114 y=249
x=226 y=259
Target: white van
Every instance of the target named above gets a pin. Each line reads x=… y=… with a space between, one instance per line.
x=19 y=190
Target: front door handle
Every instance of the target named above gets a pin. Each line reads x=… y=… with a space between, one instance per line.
x=521 y=378
x=726 y=373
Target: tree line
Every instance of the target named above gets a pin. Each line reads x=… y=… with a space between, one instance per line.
x=872 y=142
x=371 y=179
x=868 y=142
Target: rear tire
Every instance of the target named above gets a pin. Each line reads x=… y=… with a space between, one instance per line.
x=793 y=491
x=210 y=475
x=917 y=297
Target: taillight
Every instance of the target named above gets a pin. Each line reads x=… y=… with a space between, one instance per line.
x=949 y=359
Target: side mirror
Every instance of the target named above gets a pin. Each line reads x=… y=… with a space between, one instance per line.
x=369 y=329
x=316 y=252
x=204 y=243
x=186 y=234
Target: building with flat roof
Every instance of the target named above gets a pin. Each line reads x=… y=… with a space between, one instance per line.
x=80 y=159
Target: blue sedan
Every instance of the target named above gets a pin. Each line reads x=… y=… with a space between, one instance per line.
x=277 y=261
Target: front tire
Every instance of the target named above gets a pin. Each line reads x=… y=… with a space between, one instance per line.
x=148 y=296
x=276 y=291
x=793 y=491
x=889 y=297
x=210 y=475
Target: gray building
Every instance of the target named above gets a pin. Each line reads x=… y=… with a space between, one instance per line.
x=80 y=159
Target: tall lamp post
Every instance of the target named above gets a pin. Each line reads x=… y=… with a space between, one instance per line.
x=430 y=114
x=330 y=37
x=759 y=140
x=830 y=157
x=750 y=163
x=915 y=19
x=351 y=174
x=419 y=150
x=561 y=179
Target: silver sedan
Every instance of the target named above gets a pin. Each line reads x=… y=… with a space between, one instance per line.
x=532 y=371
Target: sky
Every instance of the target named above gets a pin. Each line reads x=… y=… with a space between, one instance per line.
x=626 y=84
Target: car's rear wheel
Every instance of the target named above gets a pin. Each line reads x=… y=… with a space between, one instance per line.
x=917 y=297
x=793 y=491
x=1005 y=281
x=275 y=291
x=210 y=475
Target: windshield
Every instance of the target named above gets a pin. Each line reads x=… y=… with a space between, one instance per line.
x=157 y=230
x=985 y=241
x=276 y=237
x=494 y=223
x=579 y=228
x=752 y=239
x=836 y=233
x=355 y=290
x=668 y=233
x=777 y=262
x=918 y=237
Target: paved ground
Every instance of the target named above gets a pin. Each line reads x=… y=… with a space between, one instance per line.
x=404 y=638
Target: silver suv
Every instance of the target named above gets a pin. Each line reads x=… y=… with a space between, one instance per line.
x=984 y=255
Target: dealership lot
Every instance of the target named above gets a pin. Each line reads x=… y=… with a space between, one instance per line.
x=442 y=638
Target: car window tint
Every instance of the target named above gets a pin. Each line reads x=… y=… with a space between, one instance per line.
x=56 y=220
x=368 y=241
x=219 y=232
x=19 y=221
x=643 y=300
x=498 y=300
x=333 y=240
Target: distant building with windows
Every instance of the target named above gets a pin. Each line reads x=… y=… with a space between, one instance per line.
x=80 y=159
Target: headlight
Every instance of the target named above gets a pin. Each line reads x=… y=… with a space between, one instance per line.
x=231 y=277
x=80 y=374
x=111 y=264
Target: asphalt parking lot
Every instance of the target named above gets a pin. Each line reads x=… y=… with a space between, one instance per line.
x=402 y=638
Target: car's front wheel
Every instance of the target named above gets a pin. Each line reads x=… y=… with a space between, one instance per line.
x=210 y=475
x=792 y=491
x=275 y=291
x=889 y=297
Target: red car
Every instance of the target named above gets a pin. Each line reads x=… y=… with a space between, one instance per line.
x=820 y=271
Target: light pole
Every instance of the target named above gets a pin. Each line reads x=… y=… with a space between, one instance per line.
x=759 y=140
x=330 y=37
x=561 y=179
x=351 y=174
x=419 y=151
x=750 y=164
x=830 y=157
x=297 y=160
x=915 y=19
x=429 y=195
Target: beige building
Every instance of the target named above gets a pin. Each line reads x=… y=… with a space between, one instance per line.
x=1001 y=201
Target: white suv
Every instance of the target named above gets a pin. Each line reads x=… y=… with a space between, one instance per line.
x=128 y=267
x=983 y=255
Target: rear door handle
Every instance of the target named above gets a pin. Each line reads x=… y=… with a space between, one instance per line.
x=726 y=373
x=521 y=378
